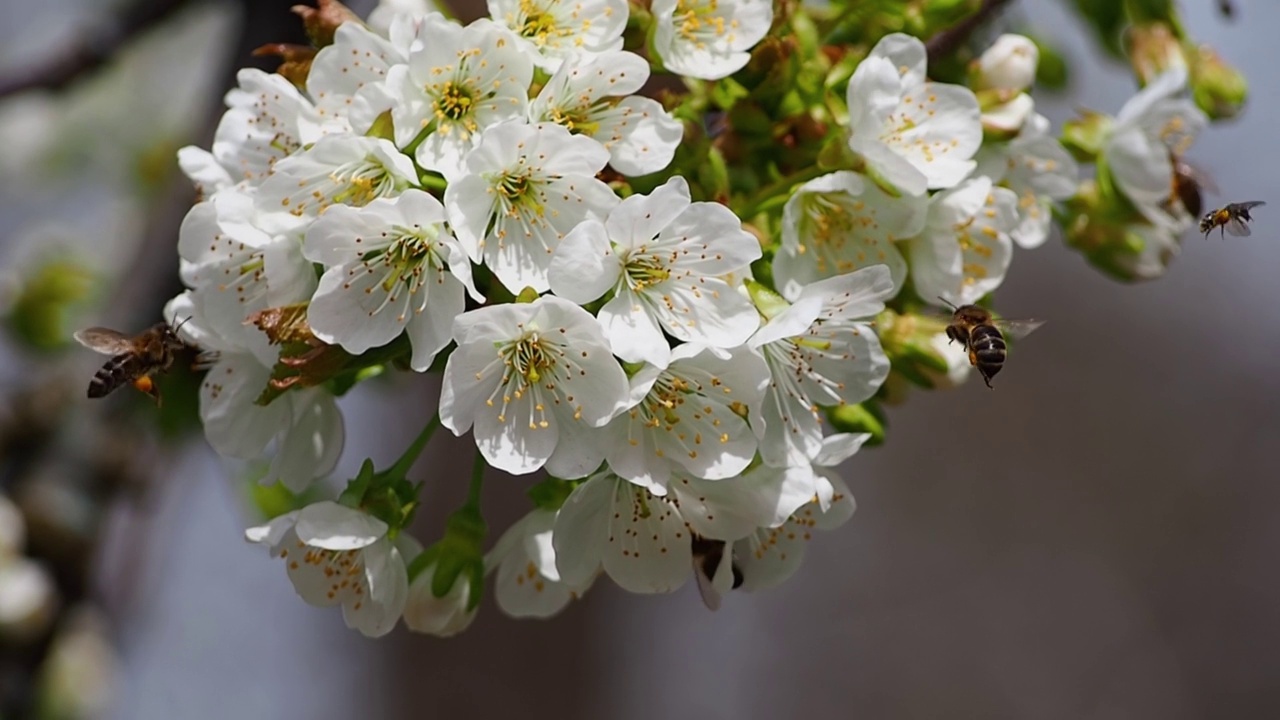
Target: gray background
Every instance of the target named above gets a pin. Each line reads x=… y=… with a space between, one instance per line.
x=1095 y=538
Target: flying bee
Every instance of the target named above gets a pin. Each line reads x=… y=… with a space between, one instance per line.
x=1231 y=219
x=983 y=335
x=708 y=556
x=1188 y=185
x=134 y=360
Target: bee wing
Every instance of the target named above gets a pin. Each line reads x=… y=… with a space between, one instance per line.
x=1237 y=227
x=1015 y=329
x=1249 y=205
x=104 y=340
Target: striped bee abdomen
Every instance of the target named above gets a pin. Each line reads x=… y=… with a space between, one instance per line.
x=989 y=350
x=117 y=371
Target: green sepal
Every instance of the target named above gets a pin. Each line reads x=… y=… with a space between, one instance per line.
x=858 y=419
x=551 y=493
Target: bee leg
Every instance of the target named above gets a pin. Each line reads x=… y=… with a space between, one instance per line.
x=148 y=386
x=973 y=358
x=986 y=379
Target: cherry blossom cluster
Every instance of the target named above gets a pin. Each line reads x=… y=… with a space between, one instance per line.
x=679 y=358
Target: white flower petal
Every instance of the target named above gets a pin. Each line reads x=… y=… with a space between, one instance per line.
x=584 y=266
x=331 y=526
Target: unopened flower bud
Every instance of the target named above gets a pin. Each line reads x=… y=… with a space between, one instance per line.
x=1218 y=88
x=1009 y=64
x=1153 y=51
x=443 y=615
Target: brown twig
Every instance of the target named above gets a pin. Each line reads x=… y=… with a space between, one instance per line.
x=91 y=51
x=948 y=41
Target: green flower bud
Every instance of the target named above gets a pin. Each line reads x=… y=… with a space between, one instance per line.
x=1218 y=88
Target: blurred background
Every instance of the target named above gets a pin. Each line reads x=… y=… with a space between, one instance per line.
x=1095 y=538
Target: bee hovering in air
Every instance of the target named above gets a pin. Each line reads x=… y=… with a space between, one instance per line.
x=707 y=556
x=983 y=335
x=1231 y=219
x=133 y=359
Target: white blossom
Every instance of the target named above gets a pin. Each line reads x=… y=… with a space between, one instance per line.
x=708 y=39
x=689 y=417
x=965 y=248
x=528 y=583
x=1036 y=167
x=392 y=267
x=912 y=133
x=551 y=30
x=267 y=119
x=457 y=82
x=304 y=425
x=821 y=351
x=532 y=378
x=235 y=268
x=346 y=78
x=592 y=94
x=525 y=186
x=770 y=555
x=1152 y=127
x=839 y=223
x=642 y=541
x=663 y=257
x=336 y=170
x=336 y=555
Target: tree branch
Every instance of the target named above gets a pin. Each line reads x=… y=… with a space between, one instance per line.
x=948 y=41
x=91 y=51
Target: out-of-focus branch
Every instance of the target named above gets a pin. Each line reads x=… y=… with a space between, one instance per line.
x=91 y=51
x=949 y=40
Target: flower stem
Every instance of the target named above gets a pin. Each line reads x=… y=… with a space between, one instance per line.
x=410 y=456
x=477 y=481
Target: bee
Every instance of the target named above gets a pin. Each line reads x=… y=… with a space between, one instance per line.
x=134 y=359
x=1226 y=9
x=708 y=555
x=1231 y=219
x=984 y=336
x=1188 y=185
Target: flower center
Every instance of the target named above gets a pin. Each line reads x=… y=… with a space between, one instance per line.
x=361 y=182
x=699 y=22
x=455 y=101
x=529 y=359
x=645 y=270
x=840 y=228
x=407 y=257
x=576 y=119
x=538 y=24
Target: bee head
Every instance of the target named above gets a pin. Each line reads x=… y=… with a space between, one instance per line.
x=171 y=338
